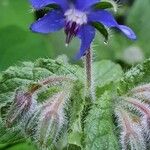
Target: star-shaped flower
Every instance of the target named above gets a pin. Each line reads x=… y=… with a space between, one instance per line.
x=76 y=17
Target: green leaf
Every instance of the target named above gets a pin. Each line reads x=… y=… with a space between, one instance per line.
x=100 y=130
x=18 y=146
x=76 y=134
x=106 y=72
x=10 y=136
x=27 y=74
x=99 y=124
x=136 y=76
x=102 y=29
x=75 y=115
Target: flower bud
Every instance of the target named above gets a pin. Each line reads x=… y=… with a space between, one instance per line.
x=142 y=92
x=55 y=80
x=22 y=106
x=131 y=133
x=46 y=124
x=144 y=96
x=141 y=88
x=144 y=111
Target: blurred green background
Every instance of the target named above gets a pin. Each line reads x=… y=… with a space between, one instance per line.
x=17 y=43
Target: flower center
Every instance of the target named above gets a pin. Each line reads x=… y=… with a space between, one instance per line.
x=74 y=20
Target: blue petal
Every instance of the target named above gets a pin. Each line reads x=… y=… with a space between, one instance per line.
x=51 y=22
x=128 y=32
x=103 y=17
x=85 y=4
x=38 y=4
x=86 y=34
x=108 y=20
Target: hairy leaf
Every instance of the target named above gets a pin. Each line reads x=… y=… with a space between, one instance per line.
x=105 y=72
x=136 y=76
x=99 y=126
x=28 y=74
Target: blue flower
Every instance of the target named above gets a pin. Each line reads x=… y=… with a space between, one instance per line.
x=76 y=17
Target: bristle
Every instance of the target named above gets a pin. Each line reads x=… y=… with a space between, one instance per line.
x=141 y=88
x=22 y=107
x=144 y=96
x=131 y=133
x=145 y=113
x=114 y=4
x=51 y=120
x=55 y=80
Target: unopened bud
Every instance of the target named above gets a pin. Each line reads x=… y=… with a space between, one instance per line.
x=145 y=112
x=141 y=88
x=54 y=80
x=144 y=96
x=50 y=119
x=131 y=133
x=142 y=92
x=22 y=106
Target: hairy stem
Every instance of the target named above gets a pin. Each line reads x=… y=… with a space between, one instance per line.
x=89 y=77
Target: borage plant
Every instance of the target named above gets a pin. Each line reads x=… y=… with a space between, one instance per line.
x=79 y=18
x=47 y=103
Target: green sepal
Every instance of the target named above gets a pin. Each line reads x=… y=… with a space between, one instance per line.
x=102 y=29
x=51 y=7
x=106 y=4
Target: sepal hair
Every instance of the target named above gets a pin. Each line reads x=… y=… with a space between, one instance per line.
x=46 y=124
x=144 y=110
x=141 y=88
x=22 y=107
x=131 y=137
